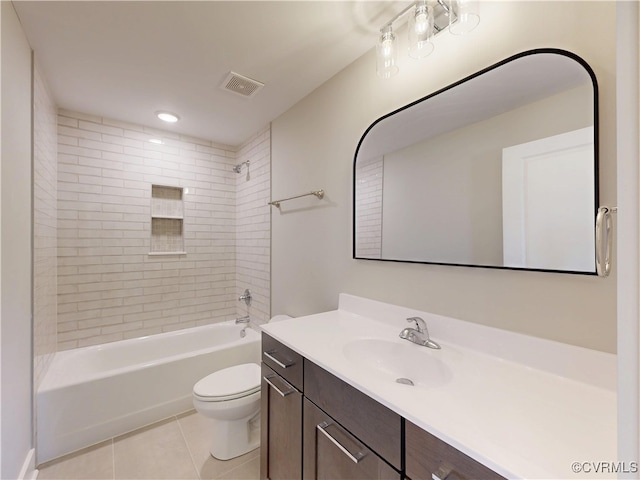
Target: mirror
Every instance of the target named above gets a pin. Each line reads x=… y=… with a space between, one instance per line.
x=498 y=170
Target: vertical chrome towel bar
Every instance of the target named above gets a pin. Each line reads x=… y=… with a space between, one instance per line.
x=603 y=240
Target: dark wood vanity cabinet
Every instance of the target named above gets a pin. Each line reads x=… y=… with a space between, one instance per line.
x=316 y=426
x=281 y=412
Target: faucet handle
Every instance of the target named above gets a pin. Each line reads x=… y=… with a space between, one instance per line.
x=421 y=326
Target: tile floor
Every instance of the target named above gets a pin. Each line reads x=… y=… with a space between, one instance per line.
x=176 y=448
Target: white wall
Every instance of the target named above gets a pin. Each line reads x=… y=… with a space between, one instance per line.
x=626 y=223
x=313 y=146
x=15 y=251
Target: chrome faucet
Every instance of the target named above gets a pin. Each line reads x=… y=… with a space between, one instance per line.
x=418 y=335
x=244 y=319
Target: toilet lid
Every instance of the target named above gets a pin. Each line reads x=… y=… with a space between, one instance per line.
x=229 y=383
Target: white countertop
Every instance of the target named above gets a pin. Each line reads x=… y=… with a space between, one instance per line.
x=530 y=412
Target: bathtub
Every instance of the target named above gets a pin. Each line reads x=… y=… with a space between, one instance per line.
x=94 y=393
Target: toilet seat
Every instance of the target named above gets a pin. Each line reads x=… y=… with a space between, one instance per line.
x=229 y=383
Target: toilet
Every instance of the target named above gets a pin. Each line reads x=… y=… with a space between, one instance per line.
x=231 y=398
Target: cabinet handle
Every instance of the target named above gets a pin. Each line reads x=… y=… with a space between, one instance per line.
x=280 y=392
x=354 y=458
x=442 y=473
x=270 y=356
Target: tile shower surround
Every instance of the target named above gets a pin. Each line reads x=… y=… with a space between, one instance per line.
x=109 y=288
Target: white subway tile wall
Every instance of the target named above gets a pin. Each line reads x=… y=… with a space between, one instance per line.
x=369 y=175
x=45 y=149
x=109 y=287
x=253 y=230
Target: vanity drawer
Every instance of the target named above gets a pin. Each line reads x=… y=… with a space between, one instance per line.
x=428 y=457
x=282 y=360
x=377 y=426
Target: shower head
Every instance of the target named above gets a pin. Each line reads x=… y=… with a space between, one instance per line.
x=238 y=168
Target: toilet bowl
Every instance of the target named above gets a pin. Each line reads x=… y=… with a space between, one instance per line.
x=231 y=398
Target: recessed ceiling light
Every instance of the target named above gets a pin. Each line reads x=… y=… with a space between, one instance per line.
x=167 y=117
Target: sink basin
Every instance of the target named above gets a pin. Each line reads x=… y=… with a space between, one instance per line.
x=395 y=360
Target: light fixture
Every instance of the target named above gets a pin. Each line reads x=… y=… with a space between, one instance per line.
x=465 y=16
x=386 y=53
x=167 y=116
x=421 y=30
x=427 y=18
x=157 y=141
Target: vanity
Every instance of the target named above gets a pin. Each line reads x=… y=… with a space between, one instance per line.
x=489 y=404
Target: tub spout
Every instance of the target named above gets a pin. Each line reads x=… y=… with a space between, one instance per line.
x=244 y=319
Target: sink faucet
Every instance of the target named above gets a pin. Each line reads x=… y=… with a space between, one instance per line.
x=418 y=335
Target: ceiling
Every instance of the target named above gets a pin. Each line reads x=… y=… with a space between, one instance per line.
x=126 y=60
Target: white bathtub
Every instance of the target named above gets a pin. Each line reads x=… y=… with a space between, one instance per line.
x=93 y=393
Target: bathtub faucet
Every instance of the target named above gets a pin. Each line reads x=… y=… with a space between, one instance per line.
x=246 y=320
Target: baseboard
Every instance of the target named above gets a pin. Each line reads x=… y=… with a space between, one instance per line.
x=28 y=471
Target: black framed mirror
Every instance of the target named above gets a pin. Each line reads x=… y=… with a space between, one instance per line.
x=498 y=170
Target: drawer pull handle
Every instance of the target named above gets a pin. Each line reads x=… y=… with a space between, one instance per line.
x=354 y=458
x=285 y=364
x=442 y=473
x=290 y=390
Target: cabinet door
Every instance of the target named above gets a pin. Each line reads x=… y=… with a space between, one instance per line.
x=332 y=453
x=281 y=428
x=378 y=426
x=430 y=457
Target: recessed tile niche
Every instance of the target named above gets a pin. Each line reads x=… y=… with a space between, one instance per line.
x=167 y=221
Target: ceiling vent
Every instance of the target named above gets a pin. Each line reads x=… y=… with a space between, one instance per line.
x=241 y=85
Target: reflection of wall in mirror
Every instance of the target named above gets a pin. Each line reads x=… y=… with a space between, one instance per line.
x=443 y=197
x=369 y=207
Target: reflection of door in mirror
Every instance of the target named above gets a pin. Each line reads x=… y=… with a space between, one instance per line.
x=545 y=205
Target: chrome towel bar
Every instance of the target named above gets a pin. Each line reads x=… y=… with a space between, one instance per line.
x=317 y=193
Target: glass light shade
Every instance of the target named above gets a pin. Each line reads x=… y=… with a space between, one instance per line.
x=386 y=54
x=421 y=31
x=465 y=16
